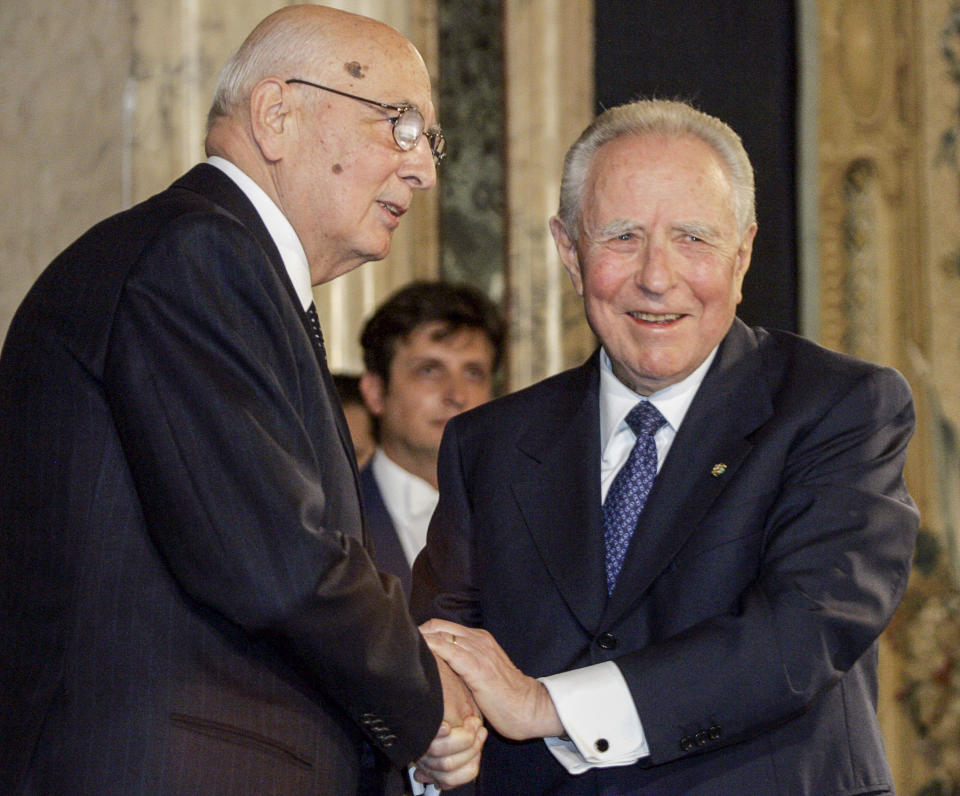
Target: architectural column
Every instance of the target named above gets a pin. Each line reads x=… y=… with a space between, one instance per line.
x=548 y=54
x=345 y=303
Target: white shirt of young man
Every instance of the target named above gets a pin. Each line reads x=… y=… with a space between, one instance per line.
x=410 y=502
x=595 y=702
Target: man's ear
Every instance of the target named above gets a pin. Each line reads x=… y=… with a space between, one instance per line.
x=271 y=121
x=742 y=263
x=373 y=390
x=567 y=249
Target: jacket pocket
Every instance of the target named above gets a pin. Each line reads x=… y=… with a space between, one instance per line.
x=240 y=737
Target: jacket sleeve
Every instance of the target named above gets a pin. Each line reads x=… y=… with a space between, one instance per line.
x=835 y=558
x=445 y=584
x=247 y=491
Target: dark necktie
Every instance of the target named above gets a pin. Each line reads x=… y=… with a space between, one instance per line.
x=342 y=430
x=630 y=487
x=315 y=328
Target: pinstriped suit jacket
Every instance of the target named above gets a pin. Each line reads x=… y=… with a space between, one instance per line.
x=188 y=605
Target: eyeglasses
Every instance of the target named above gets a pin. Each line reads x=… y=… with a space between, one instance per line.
x=407 y=124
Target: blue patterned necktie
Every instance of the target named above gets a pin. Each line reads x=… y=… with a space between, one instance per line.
x=630 y=487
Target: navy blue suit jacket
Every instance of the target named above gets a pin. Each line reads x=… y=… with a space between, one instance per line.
x=187 y=602
x=387 y=550
x=774 y=546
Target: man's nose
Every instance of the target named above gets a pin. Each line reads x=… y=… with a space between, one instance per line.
x=656 y=271
x=456 y=392
x=418 y=169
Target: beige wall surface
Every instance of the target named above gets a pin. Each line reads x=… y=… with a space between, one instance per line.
x=62 y=131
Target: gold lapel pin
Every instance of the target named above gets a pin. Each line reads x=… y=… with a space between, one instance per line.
x=718 y=470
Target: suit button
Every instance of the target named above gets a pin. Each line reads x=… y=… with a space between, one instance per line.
x=701 y=738
x=601 y=745
x=715 y=733
x=387 y=741
x=607 y=641
x=686 y=743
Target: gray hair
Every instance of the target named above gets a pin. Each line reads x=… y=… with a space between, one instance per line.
x=655 y=117
x=281 y=46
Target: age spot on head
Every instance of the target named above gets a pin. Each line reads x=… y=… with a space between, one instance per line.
x=337 y=168
x=355 y=69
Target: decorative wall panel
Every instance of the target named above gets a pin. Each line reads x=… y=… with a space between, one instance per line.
x=888 y=219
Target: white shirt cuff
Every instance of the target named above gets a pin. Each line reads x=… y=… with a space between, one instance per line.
x=598 y=713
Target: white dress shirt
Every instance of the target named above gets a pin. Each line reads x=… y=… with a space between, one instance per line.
x=595 y=702
x=281 y=231
x=410 y=502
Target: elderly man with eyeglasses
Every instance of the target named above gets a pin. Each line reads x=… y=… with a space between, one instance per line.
x=188 y=602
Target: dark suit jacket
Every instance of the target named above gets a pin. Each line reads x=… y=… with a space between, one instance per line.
x=774 y=546
x=387 y=550
x=188 y=606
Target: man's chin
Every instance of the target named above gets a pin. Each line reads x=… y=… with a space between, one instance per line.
x=379 y=253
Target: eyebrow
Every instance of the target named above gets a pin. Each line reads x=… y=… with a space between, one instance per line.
x=698 y=230
x=621 y=225
x=617 y=227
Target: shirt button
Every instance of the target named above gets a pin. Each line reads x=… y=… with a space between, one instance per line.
x=607 y=641
x=601 y=745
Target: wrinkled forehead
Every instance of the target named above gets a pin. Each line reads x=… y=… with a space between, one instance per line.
x=652 y=165
x=657 y=151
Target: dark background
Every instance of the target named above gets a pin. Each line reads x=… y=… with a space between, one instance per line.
x=735 y=59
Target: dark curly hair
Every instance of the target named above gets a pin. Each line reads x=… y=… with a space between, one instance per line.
x=455 y=306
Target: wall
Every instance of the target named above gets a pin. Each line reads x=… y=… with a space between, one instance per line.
x=62 y=132
x=889 y=291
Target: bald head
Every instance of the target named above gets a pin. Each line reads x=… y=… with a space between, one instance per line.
x=307 y=108
x=303 y=39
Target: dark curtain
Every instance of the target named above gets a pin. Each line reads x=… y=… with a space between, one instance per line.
x=735 y=59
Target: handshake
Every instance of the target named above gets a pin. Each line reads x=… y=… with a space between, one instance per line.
x=479 y=682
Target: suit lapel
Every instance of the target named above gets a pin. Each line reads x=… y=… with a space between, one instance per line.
x=559 y=493
x=216 y=186
x=712 y=443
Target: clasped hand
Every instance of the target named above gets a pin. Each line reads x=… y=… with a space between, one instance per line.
x=519 y=707
x=453 y=758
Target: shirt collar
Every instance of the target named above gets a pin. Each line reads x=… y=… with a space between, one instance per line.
x=281 y=231
x=401 y=488
x=616 y=399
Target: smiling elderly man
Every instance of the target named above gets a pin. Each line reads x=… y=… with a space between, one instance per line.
x=696 y=537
